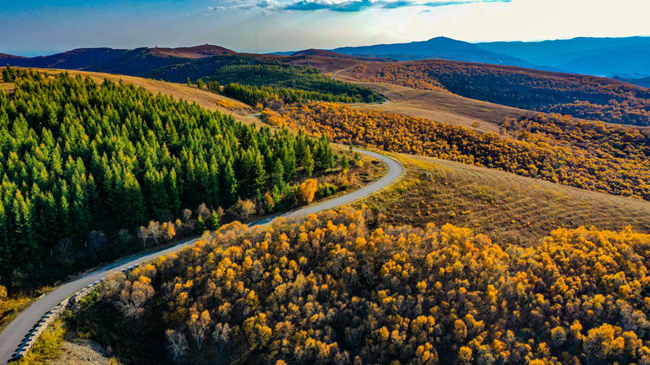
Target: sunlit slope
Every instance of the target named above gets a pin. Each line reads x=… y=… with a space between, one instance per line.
x=500 y=204
x=442 y=107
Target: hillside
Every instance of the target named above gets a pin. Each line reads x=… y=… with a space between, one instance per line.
x=588 y=155
x=341 y=287
x=504 y=206
x=259 y=79
x=581 y=96
x=192 y=52
x=179 y=64
x=442 y=106
x=84 y=164
x=7 y=58
x=643 y=81
x=204 y=98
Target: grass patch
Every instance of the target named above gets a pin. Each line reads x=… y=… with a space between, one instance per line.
x=507 y=207
x=47 y=347
x=12 y=306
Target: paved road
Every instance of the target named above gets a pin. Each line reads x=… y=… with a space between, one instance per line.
x=12 y=335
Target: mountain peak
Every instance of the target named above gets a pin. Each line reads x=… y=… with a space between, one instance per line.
x=443 y=38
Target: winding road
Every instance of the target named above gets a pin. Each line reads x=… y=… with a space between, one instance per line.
x=11 y=337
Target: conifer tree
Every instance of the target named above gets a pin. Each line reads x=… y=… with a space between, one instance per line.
x=308 y=162
x=259 y=174
x=277 y=178
x=230 y=185
x=345 y=163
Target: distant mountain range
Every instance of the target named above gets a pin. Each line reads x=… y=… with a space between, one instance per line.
x=626 y=59
x=643 y=81
x=197 y=61
x=591 y=56
x=436 y=48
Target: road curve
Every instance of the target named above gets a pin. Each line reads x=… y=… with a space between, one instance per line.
x=12 y=335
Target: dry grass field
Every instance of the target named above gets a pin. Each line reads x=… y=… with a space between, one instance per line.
x=442 y=107
x=502 y=205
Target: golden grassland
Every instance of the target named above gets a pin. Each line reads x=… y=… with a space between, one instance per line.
x=442 y=107
x=504 y=206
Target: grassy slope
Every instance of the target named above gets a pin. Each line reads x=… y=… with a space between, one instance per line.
x=502 y=205
x=442 y=107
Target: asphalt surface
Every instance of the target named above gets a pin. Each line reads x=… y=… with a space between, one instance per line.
x=12 y=335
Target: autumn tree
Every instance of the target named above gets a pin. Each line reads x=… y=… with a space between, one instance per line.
x=307 y=190
x=177 y=343
x=198 y=325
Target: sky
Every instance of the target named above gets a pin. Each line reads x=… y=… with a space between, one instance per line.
x=37 y=27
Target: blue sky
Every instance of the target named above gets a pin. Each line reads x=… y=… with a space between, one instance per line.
x=31 y=27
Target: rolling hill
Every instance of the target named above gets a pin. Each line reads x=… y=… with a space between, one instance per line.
x=143 y=61
x=443 y=107
x=206 y=99
x=582 y=96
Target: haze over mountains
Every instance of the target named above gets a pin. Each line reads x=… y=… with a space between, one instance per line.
x=593 y=56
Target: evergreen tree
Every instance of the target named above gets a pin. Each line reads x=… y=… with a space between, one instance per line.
x=259 y=173
x=345 y=163
x=289 y=162
x=214 y=220
x=277 y=178
x=308 y=162
x=173 y=193
x=230 y=185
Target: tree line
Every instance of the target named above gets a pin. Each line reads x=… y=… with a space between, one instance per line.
x=265 y=78
x=254 y=95
x=79 y=157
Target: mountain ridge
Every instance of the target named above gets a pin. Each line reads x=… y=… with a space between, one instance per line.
x=435 y=48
